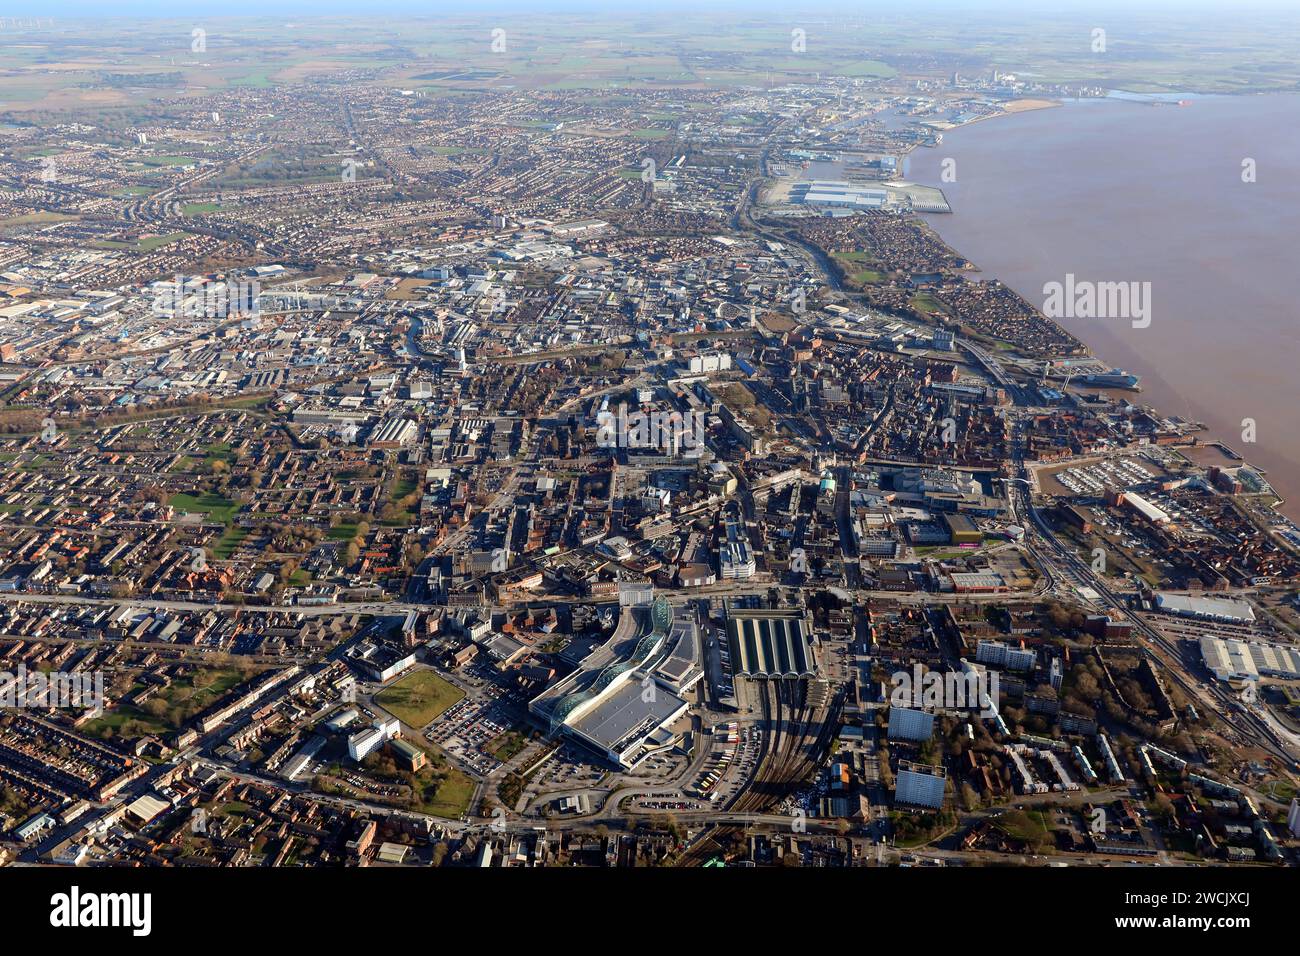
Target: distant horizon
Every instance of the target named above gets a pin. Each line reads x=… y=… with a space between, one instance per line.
x=172 y=10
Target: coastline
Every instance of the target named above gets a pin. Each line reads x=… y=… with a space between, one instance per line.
x=1182 y=405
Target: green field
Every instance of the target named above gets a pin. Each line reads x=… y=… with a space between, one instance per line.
x=214 y=506
x=34 y=219
x=452 y=797
x=418 y=698
x=168 y=161
x=926 y=303
x=856 y=266
x=176 y=703
x=220 y=450
x=509 y=744
x=1028 y=826
x=229 y=543
x=148 y=244
x=199 y=208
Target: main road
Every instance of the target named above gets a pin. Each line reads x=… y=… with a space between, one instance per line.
x=1064 y=561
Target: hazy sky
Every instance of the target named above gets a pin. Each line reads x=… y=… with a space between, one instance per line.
x=215 y=8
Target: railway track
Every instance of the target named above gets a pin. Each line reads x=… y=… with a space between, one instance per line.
x=1250 y=726
x=798 y=735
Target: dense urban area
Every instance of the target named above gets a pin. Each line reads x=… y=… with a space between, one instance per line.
x=420 y=465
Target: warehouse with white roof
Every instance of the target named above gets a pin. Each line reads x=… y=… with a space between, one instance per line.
x=1228 y=610
x=1233 y=660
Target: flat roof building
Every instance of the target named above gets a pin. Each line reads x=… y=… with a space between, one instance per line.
x=1247 y=660
x=1209 y=609
x=838 y=193
x=622 y=720
x=908 y=724
x=919 y=785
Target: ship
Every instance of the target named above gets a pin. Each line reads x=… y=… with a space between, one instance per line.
x=1115 y=378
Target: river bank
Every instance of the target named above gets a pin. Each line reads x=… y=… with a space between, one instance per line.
x=1121 y=190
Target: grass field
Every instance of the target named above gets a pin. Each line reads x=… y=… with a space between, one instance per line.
x=508 y=744
x=167 y=161
x=926 y=303
x=199 y=208
x=1028 y=826
x=229 y=543
x=148 y=244
x=452 y=797
x=214 y=506
x=182 y=699
x=418 y=698
x=855 y=266
x=34 y=219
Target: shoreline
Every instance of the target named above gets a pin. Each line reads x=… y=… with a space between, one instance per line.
x=1207 y=435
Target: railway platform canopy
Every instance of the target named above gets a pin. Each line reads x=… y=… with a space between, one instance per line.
x=771 y=644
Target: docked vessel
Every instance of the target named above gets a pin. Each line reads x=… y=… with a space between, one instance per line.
x=1115 y=378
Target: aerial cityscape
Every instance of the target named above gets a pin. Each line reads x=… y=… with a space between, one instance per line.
x=633 y=438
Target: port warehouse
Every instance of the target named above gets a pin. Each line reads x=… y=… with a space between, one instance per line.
x=1229 y=658
x=838 y=193
x=626 y=695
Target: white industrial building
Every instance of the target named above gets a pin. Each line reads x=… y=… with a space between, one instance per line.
x=1145 y=508
x=709 y=362
x=1228 y=610
x=1246 y=660
x=627 y=695
x=395 y=432
x=837 y=192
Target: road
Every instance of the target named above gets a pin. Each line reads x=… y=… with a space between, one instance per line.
x=1061 y=559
